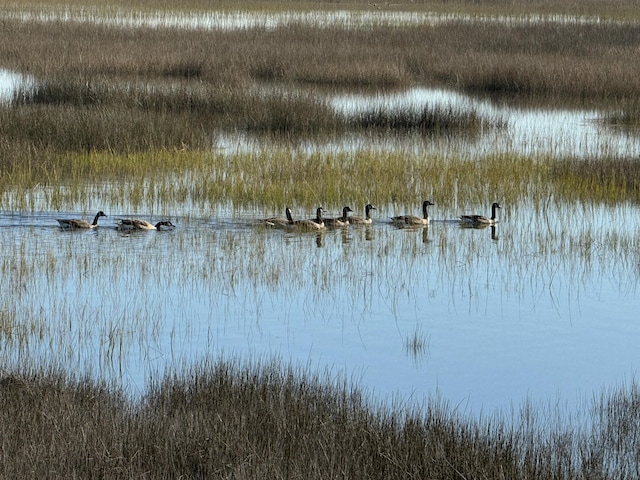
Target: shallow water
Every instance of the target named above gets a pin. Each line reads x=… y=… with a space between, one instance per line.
x=9 y=83
x=530 y=131
x=538 y=131
x=544 y=307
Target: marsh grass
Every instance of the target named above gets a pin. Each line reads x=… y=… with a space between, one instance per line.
x=266 y=420
x=617 y=8
x=181 y=181
x=428 y=121
x=552 y=60
x=87 y=139
x=626 y=117
x=606 y=179
x=78 y=115
x=171 y=90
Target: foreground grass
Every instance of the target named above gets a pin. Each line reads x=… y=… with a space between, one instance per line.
x=267 y=421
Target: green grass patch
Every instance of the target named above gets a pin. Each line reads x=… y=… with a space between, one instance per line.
x=275 y=178
x=606 y=179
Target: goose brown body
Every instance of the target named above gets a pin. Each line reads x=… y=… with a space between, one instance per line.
x=311 y=224
x=412 y=220
x=480 y=220
x=74 y=223
x=280 y=222
x=342 y=221
x=137 y=224
x=367 y=220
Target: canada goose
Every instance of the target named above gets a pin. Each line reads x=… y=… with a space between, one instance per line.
x=312 y=224
x=479 y=220
x=78 y=223
x=412 y=220
x=367 y=220
x=342 y=221
x=280 y=222
x=135 y=224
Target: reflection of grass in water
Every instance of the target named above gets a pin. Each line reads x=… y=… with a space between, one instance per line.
x=102 y=297
x=108 y=296
x=212 y=268
x=269 y=421
x=142 y=291
x=417 y=344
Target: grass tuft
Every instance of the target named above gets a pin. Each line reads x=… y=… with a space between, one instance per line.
x=429 y=121
x=608 y=179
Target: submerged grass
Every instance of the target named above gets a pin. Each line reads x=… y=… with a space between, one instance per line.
x=226 y=420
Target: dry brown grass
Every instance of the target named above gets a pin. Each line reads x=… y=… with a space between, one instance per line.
x=608 y=8
x=267 y=421
x=551 y=60
x=124 y=89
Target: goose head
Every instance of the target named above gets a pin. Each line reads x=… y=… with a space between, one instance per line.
x=345 y=211
x=165 y=223
x=426 y=204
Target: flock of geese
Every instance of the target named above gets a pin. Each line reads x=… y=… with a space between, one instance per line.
x=319 y=223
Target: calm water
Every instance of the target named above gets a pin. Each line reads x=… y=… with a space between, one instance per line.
x=542 y=308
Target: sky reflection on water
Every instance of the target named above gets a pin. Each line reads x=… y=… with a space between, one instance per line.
x=529 y=130
x=546 y=309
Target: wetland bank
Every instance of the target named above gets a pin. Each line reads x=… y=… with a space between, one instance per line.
x=371 y=351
